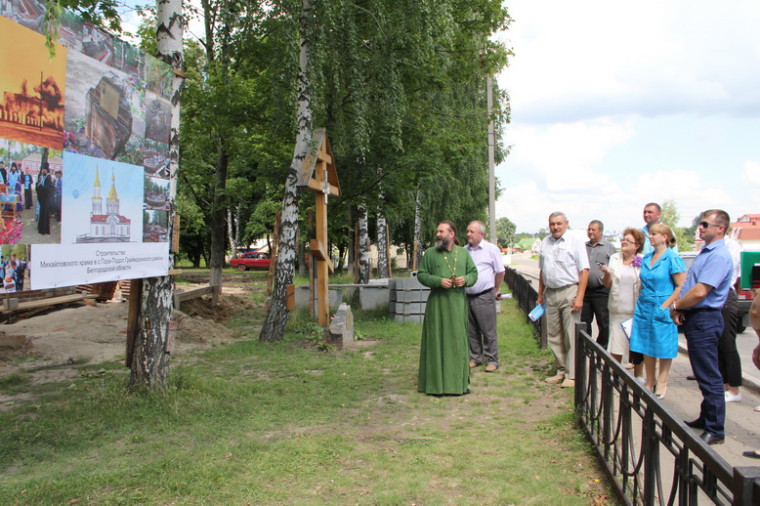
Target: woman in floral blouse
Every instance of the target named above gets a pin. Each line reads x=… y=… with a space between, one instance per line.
x=621 y=276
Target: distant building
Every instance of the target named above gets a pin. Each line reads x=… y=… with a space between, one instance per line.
x=31 y=163
x=746 y=230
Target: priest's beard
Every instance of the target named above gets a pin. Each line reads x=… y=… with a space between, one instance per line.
x=443 y=244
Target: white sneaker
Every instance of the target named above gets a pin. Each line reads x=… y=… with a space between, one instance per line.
x=642 y=380
x=733 y=397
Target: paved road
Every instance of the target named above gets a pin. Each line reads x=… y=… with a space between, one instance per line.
x=683 y=397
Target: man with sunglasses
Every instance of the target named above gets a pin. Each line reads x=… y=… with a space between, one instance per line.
x=699 y=311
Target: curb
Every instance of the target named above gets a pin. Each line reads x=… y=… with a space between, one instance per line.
x=749 y=382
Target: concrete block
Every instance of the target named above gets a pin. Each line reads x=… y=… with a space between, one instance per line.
x=409 y=308
x=350 y=292
x=334 y=297
x=341 y=328
x=409 y=284
x=302 y=296
x=409 y=296
x=374 y=297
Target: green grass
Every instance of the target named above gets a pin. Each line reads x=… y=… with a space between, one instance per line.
x=298 y=423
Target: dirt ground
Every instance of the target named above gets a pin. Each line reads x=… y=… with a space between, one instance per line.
x=95 y=333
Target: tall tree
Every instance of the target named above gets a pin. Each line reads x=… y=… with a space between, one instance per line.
x=276 y=319
x=670 y=217
x=150 y=361
x=362 y=249
x=505 y=232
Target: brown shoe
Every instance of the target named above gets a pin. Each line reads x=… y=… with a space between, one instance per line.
x=473 y=364
x=491 y=367
x=556 y=379
x=568 y=383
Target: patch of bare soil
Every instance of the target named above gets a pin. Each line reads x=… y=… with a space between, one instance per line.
x=96 y=332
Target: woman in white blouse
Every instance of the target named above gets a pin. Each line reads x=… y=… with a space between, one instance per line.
x=621 y=276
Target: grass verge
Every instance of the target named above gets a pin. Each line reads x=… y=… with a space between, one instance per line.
x=299 y=423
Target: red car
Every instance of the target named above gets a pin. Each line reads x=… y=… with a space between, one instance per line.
x=251 y=260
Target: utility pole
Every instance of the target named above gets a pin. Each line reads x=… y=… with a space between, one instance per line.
x=491 y=178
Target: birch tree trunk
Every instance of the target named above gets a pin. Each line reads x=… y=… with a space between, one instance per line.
x=150 y=362
x=417 y=249
x=383 y=266
x=363 y=247
x=233 y=229
x=276 y=320
x=382 y=246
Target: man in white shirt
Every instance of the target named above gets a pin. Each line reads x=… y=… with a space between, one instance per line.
x=729 y=363
x=562 y=284
x=484 y=342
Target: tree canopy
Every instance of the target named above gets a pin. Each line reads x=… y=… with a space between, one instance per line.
x=400 y=87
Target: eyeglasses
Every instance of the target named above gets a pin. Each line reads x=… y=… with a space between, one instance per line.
x=704 y=224
x=626 y=241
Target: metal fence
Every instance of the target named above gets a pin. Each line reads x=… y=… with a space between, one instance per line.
x=523 y=291
x=648 y=453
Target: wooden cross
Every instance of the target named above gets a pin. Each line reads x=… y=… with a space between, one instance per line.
x=318 y=174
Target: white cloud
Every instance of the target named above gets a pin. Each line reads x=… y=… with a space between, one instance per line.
x=615 y=105
x=751 y=173
x=575 y=60
x=564 y=155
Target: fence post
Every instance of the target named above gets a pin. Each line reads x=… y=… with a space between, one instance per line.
x=746 y=481
x=580 y=365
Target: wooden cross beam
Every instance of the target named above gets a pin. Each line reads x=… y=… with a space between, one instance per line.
x=319 y=175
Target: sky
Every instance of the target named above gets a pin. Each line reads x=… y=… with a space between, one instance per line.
x=616 y=104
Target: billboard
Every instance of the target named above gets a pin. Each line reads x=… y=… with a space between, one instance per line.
x=84 y=154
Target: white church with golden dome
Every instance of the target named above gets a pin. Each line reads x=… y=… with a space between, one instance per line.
x=108 y=226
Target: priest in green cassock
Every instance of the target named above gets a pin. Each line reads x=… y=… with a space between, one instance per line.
x=444 y=356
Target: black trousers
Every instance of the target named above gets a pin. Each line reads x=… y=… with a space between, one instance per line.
x=595 y=306
x=729 y=363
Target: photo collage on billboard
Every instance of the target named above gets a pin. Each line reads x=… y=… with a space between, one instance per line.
x=84 y=153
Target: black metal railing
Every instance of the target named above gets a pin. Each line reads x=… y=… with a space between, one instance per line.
x=526 y=296
x=648 y=453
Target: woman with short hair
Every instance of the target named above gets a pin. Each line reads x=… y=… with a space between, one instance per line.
x=621 y=276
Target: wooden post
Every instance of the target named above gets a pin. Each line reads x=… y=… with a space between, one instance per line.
x=133 y=318
x=312 y=288
x=321 y=243
x=273 y=257
x=319 y=175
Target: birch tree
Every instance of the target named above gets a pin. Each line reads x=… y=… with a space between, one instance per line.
x=276 y=320
x=150 y=362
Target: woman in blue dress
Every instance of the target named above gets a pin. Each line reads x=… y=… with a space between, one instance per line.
x=654 y=334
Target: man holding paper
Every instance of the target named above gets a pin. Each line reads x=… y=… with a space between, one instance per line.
x=562 y=283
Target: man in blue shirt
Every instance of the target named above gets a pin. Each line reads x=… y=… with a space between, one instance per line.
x=699 y=310
x=652 y=214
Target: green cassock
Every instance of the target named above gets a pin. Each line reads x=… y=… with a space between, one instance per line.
x=444 y=354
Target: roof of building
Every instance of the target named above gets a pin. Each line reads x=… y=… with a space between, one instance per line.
x=102 y=218
x=746 y=227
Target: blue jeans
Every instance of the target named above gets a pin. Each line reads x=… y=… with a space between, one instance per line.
x=703 y=330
